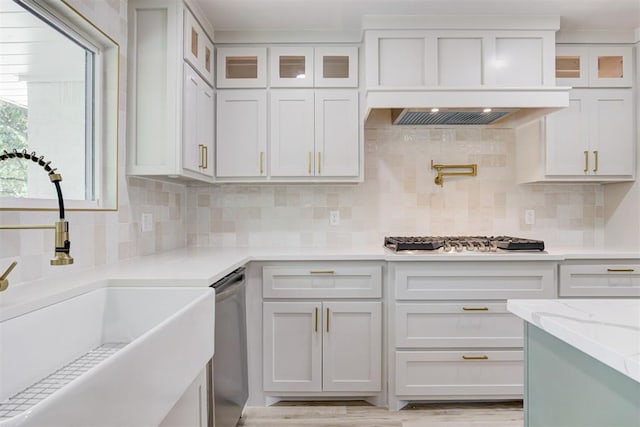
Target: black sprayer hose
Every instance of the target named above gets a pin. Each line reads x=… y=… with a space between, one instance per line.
x=60 y=201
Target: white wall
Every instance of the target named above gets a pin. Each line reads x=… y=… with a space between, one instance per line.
x=100 y=237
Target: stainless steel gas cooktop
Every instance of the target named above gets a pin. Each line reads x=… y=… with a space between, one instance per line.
x=462 y=243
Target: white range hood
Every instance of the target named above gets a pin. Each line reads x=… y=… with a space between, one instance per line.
x=462 y=70
x=500 y=107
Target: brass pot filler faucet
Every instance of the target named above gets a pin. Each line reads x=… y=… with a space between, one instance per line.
x=62 y=244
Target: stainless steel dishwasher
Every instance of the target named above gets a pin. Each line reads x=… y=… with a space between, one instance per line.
x=228 y=385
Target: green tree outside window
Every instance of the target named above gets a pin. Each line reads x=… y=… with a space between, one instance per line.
x=13 y=135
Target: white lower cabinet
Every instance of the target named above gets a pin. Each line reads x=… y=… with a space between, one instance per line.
x=322 y=328
x=452 y=337
x=322 y=346
x=191 y=408
x=459 y=374
x=600 y=278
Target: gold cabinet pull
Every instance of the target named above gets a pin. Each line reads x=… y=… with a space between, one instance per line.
x=327 y=319
x=620 y=270
x=475 y=357
x=261 y=162
x=322 y=272
x=595 y=156
x=319 y=162
x=309 y=162
x=200 y=165
x=205 y=154
x=586 y=161
x=475 y=308
x=316 y=321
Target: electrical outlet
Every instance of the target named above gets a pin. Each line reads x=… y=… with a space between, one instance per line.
x=529 y=217
x=146 y=222
x=334 y=217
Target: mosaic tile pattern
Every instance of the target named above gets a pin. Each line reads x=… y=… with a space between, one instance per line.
x=54 y=382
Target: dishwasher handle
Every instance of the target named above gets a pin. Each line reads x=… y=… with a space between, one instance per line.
x=226 y=284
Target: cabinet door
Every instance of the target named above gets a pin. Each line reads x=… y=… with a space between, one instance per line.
x=291 y=67
x=610 y=66
x=240 y=67
x=337 y=133
x=459 y=374
x=352 y=346
x=567 y=134
x=191 y=409
x=292 y=339
x=611 y=132
x=336 y=66
x=572 y=66
x=197 y=123
x=197 y=48
x=241 y=129
x=206 y=119
x=292 y=134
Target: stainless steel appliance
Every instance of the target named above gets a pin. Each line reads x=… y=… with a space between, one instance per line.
x=462 y=243
x=228 y=383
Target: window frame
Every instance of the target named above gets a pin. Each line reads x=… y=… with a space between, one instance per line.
x=103 y=128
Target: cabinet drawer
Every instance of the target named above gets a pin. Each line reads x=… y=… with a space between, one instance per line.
x=322 y=281
x=475 y=280
x=454 y=374
x=615 y=279
x=469 y=324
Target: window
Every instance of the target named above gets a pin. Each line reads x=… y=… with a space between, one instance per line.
x=58 y=99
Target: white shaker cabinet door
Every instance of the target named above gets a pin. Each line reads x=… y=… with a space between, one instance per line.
x=337 y=133
x=197 y=123
x=241 y=126
x=352 y=346
x=612 y=140
x=567 y=138
x=292 y=340
x=292 y=134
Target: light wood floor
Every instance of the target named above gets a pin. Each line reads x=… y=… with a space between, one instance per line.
x=360 y=414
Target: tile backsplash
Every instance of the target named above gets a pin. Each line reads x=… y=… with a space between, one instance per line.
x=398 y=196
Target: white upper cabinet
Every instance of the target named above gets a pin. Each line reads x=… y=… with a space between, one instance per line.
x=241 y=143
x=590 y=141
x=459 y=58
x=304 y=66
x=197 y=124
x=314 y=133
x=594 y=66
x=336 y=67
x=292 y=133
x=241 y=67
x=592 y=138
x=337 y=139
x=198 y=48
x=291 y=67
x=170 y=118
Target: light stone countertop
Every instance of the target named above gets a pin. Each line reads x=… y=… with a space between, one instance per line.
x=606 y=329
x=202 y=266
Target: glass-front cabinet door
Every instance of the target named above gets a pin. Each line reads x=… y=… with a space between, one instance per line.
x=594 y=66
x=610 y=66
x=241 y=67
x=336 y=66
x=291 y=66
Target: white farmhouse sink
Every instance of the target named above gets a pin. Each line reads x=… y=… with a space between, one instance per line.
x=109 y=357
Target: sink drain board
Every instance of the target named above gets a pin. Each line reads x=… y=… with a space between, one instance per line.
x=33 y=394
